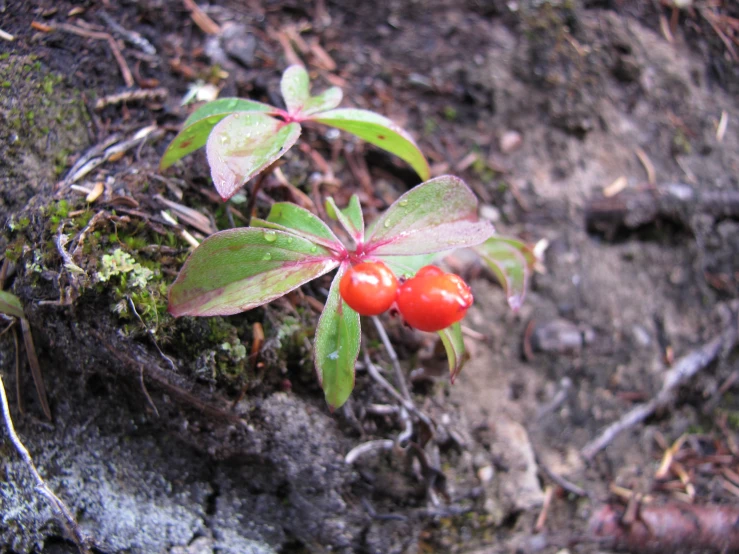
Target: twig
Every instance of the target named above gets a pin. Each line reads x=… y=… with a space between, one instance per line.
x=255 y=191
x=131 y=36
x=18 y=394
x=6 y=36
x=201 y=19
x=131 y=96
x=407 y=432
x=408 y=404
x=367 y=447
x=566 y=484
x=648 y=165
x=66 y=517
x=125 y=71
x=151 y=333
x=38 y=378
x=542 y=519
x=399 y=377
x=381 y=517
x=684 y=369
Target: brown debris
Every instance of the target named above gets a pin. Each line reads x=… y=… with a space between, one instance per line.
x=670 y=528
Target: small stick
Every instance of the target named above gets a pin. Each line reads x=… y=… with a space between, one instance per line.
x=38 y=378
x=18 y=394
x=131 y=96
x=648 y=165
x=67 y=519
x=408 y=404
x=125 y=71
x=131 y=36
x=542 y=519
x=367 y=447
x=560 y=481
x=201 y=19
x=255 y=191
x=399 y=377
x=683 y=370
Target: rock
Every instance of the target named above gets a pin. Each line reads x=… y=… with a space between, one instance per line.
x=239 y=44
x=515 y=487
x=560 y=336
x=510 y=142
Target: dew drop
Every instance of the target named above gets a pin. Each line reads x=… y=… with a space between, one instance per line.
x=403 y=203
x=314 y=249
x=267 y=257
x=333 y=355
x=270 y=236
x=387 y=224
x=289 y=240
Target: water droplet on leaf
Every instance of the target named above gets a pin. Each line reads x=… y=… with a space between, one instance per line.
x=267 y=257
x=387 y=224
x=270 y=236
x=403 y=203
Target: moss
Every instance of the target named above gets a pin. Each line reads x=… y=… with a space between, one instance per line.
x=57 y=211
x=19 y=224
x=28 y=147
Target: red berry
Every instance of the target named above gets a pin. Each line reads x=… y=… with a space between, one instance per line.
x=369 y=288
x=433 y=300
x=428 y=271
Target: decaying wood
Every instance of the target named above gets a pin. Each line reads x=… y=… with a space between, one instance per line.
x=670 y=528
x=637 y=207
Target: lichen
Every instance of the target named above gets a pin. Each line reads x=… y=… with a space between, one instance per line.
x=124 y=266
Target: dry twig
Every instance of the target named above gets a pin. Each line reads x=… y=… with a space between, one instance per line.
x=63 y=512
x=125 y=71
x=683 y=370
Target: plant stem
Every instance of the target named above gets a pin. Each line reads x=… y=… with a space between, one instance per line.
x=399 y=377
x=255 y=191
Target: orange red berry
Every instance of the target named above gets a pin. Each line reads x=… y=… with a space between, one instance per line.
x=433 y=300
x=369 y=288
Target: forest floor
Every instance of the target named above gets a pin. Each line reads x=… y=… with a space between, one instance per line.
x=604 y=133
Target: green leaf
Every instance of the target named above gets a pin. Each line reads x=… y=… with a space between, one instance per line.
x=337 y=346
x=10 y=305
x=512 y=263
x=438 y=215
x=456 y=353
x=351 y=217
x=224 y=107
x=242 y=145
x=290 y=218
x=327 y=100
x=295 y=88
x=379 y=131
x=407 y=266
x=239 y=269
x=198 y=126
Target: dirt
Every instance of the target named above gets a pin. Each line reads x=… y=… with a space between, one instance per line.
x=539 y=107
